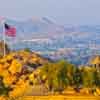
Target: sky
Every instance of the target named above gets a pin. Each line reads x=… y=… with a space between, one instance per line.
x=60 y=11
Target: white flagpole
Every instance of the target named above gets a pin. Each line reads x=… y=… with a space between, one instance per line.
x=4 y=40
x=2 y=21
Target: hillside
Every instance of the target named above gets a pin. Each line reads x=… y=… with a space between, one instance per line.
x=26 y=73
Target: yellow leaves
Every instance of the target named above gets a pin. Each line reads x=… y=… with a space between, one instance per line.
x=69 y=92
x=25 y=60
x=9 y=57
x=4 y=73
x=6 y=65
x=20 y=82
x=44 y=77
x=2 y=98
x=87 y=69
x=16 y=92
x=1 y=68
x=9 y=79
x=31 y=76
x=23 y=77
x=84 y=91
x=11 y=66
x=34 y=59
x=3 y=60
x=87 y=91
x=98 y=91
x=15 y=67
x=20 y=89
x=95 y=94
x=37 y=71
x=96 y=60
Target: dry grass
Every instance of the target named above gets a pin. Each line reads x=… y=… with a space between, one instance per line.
x=60 y=97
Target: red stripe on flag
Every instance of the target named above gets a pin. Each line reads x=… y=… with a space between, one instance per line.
x=11 y=32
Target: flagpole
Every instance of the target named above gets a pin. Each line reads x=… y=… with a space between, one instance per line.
x=4 y=40
x=10 y=31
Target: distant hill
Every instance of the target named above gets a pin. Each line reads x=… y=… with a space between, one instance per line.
x=46 y=36
x=44 y=27
x=35 y=26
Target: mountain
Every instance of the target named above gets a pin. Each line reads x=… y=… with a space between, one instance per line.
x=44 y=35
x=42 y=27
x=45 y=28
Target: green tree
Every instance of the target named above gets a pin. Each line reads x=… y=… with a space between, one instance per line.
x=59 y=75
x=71 y=69
x=88 y=77
x=97 y=78
x=77 y=78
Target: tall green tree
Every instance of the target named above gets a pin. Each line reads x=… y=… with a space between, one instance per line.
x=77 y=78
x=88 y=77
x=59 y=75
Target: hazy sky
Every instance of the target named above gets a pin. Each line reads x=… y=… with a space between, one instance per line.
x=60 y=11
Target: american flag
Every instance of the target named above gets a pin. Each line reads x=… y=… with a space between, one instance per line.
x=10 y=30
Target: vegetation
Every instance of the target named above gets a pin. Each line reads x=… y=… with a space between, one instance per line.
x=22 y=70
